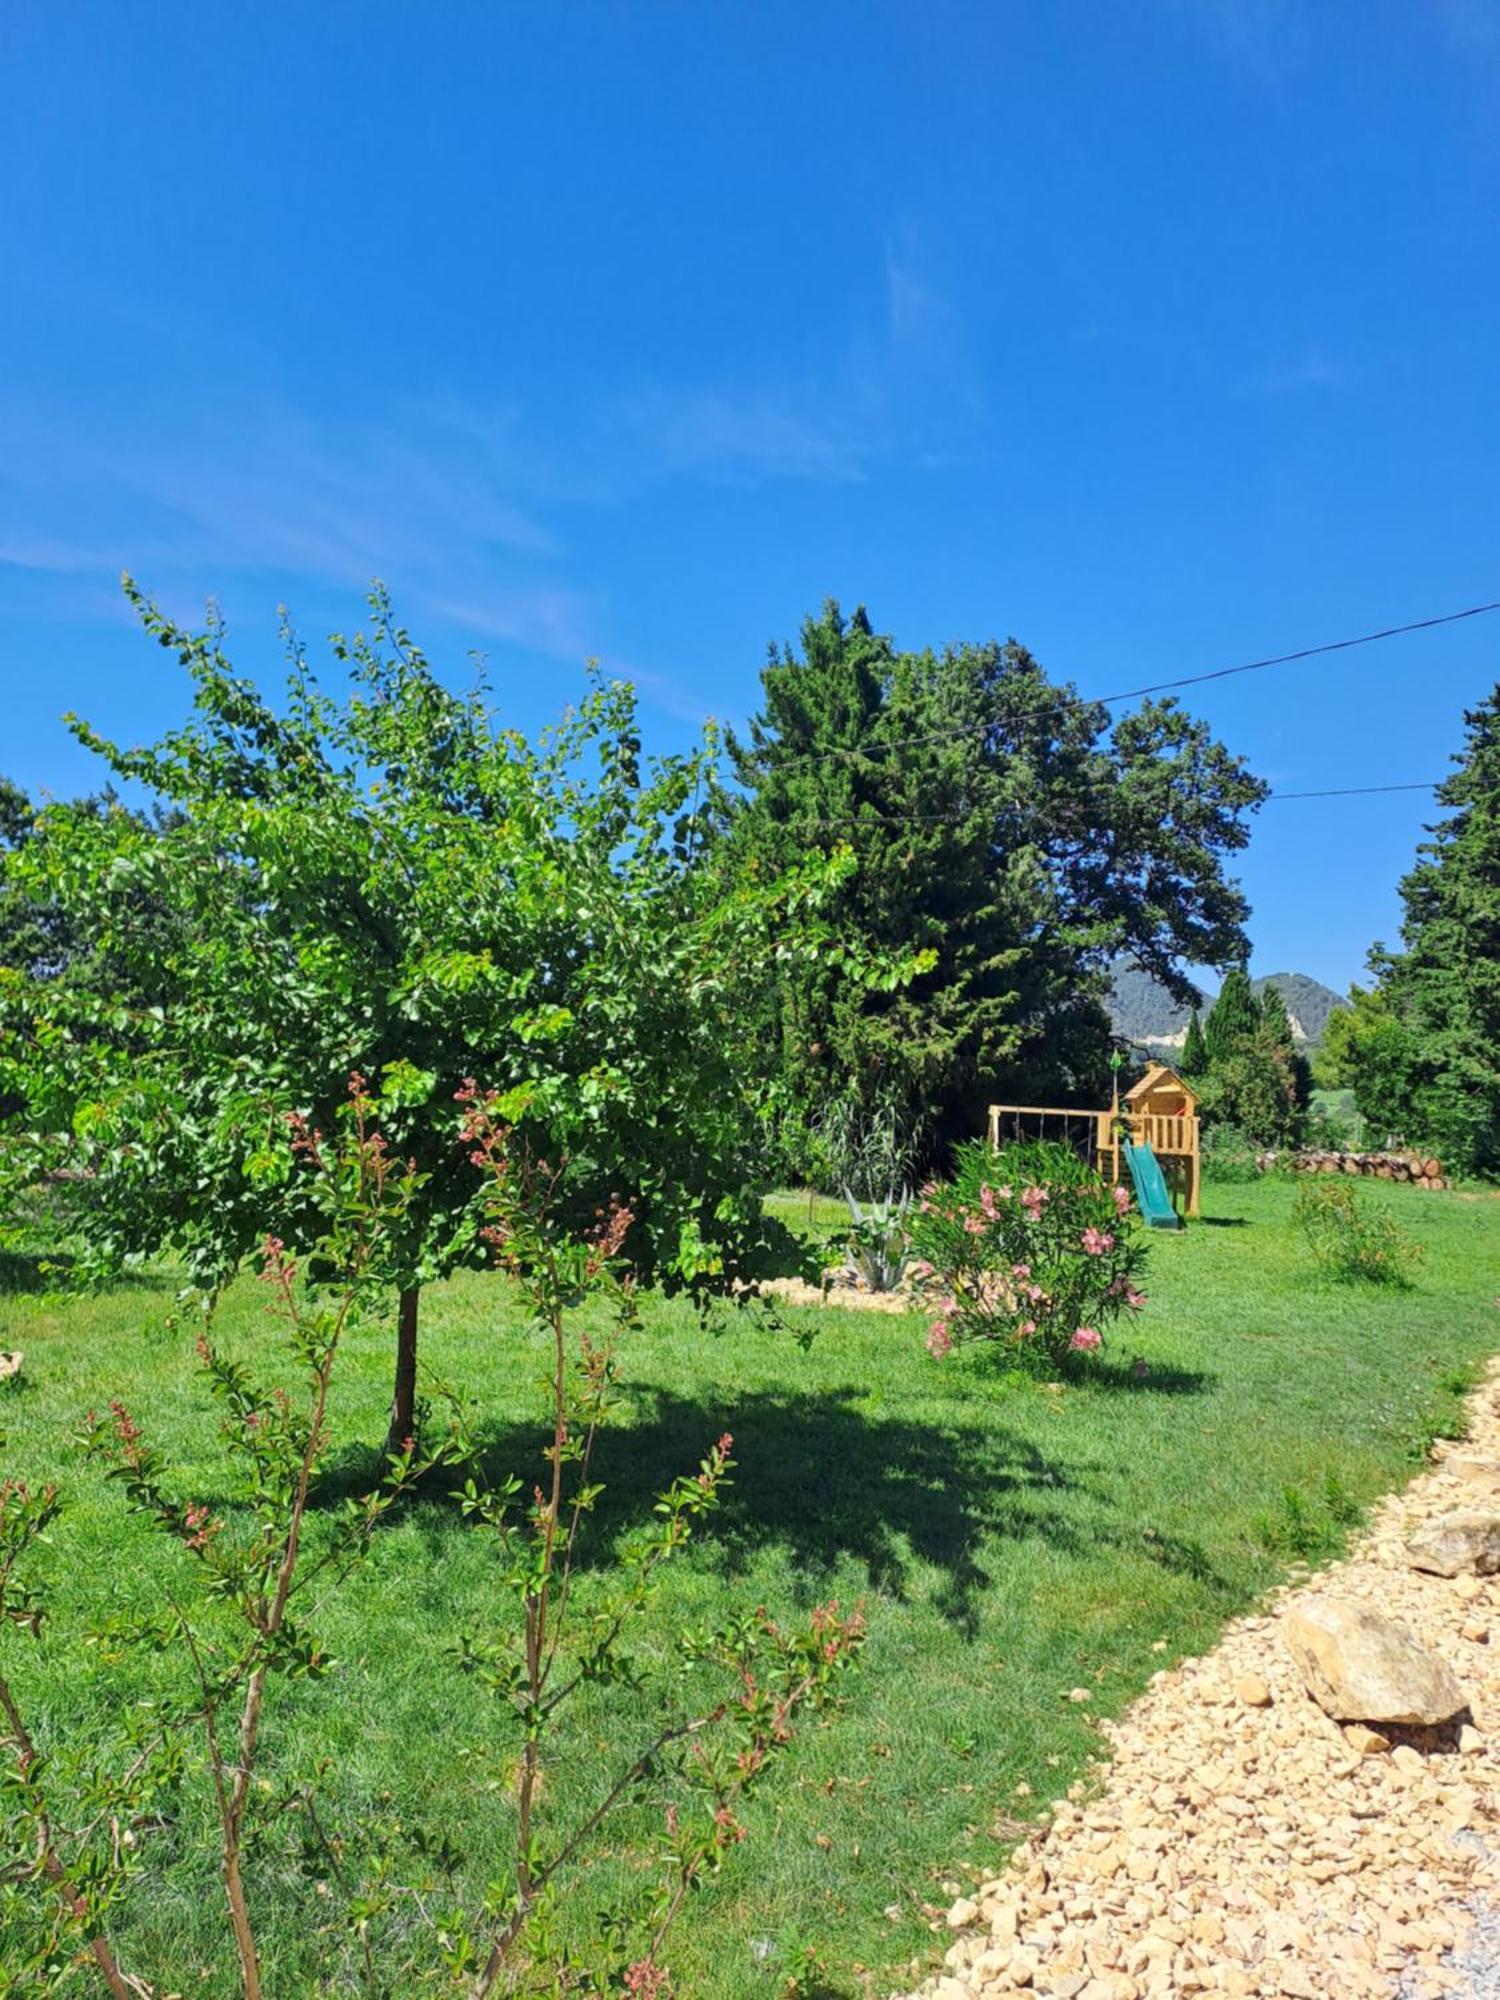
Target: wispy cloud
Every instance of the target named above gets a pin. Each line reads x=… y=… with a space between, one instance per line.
x=1473 y=25
x=1261 y=37
x=720 y=433
x=468 y=508
x=267 y=489
x=1308 y=372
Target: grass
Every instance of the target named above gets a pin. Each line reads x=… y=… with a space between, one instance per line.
x=1011 y=1541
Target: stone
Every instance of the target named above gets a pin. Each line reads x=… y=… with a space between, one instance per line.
x=1464 y=1544
x=1481 y=1472
x=1080 y=1694
x=10 y=1364
x=1476 y=1631
x=1252 y=1690
x=1470 y=1741
x=1467 y=1588
x=963 y=1912
x=1360 y=1666
x=1365 y=1741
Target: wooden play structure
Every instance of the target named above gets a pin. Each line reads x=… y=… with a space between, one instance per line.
x=1157 y=1117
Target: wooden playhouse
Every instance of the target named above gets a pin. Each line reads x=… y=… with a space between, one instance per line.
x=1161 y=1111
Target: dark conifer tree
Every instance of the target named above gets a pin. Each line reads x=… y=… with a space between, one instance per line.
x=1444 y=985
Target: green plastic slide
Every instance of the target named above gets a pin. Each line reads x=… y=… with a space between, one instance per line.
x=1151 y=1188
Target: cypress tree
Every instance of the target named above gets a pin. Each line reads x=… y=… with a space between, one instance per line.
x=1275 y=1019
x=1234 y=1016
x=1194 y=1060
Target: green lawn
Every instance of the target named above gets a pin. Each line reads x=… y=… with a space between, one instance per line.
x=1010 y=1541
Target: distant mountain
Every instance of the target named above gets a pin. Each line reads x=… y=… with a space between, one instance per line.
x=1142 y=1011
x=1308 y=1001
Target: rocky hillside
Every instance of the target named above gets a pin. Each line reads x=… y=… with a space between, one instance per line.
x=1308 y=1001
x=1145 y=1013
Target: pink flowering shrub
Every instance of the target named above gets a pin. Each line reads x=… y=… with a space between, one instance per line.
x=1028 y=1248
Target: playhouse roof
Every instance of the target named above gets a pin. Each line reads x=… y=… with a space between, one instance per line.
x=1159 y=1077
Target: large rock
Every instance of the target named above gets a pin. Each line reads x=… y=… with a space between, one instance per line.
x=1362 y=1667
x=1457 y=1545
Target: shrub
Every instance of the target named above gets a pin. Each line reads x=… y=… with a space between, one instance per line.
x=1026 y=1247
x=1229 y=1155
x=1333 y=1124
x=1351 y=1241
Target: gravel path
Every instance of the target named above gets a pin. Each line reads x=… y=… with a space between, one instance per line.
x=1244 y=1843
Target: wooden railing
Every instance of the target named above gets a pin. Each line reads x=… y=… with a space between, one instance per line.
x=1178 y=1135
x=1174 y=1139
x=1029 y=1121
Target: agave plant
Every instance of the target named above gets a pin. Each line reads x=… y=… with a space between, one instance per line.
x=878 y=1241
x=871 y=1148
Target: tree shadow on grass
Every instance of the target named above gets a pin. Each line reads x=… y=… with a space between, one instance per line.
x=1142 y=1377
x=823 y=1479
x=24 y=1271
x=42 y=1273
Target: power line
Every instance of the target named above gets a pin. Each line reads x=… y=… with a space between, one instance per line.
x=1159 y=687
x=1355 y=791
x=955 y=819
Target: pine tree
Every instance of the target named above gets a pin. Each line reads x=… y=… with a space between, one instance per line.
x=1445 y=985
x=1194 y=1060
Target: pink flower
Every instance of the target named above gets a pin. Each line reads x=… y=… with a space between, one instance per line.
x=1085 y=1337
x=975 y=1225
x=1028 y=1326
x=1035 y=1294
x=1003 y=1194
x=1020 y=1270
x=921 y=1269
x=939 y=1339
x=987 y=1202
x=1097 y=1241
x=1033 y=1199
x=1122 y=1201
x=1134 y=1299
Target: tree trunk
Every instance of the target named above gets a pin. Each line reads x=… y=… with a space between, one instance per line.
x=404 y=1399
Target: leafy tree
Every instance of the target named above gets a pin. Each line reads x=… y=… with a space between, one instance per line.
x=1194 y=1058
x=1233 y=1018
x=1440 y=1055
x=33 y=936
x=1253 y=1088
x=1006 y=830
x=392 y=885
x=1366 y=1048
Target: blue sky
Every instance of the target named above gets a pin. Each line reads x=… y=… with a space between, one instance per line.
x=1160 y=336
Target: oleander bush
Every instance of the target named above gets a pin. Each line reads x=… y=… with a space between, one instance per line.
x=1029 y=1248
